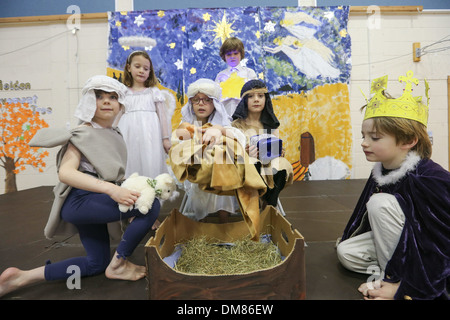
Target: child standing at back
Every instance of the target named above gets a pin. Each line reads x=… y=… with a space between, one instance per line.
x=401 y=224
x=232 y=52
x=146 y=124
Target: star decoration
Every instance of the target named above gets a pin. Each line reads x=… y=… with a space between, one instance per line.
x=269 y=26
x=172 y=45
x=179 y=64
x=223 y=29
x=161 y=13
x=198 y=45
x=343 y=33
x=193 y=70
x=206 y=17
x=379 y=84
x=139 y=20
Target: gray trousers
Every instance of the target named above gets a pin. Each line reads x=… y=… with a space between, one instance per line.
x=368 y=251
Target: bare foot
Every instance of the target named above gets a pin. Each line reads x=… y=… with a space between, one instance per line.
x=122 y=269
x=13 y=278
x=9 y=281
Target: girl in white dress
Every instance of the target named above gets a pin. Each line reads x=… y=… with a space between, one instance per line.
x=146 y=124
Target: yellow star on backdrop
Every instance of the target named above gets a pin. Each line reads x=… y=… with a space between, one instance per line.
x=161 y=13
x=126 y=48
x=343 y=33
x=193 y=70
x=223 y=29
x=172 y=45
x=206 y=16
x=118 y=23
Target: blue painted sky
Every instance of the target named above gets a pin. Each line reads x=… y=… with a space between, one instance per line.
x=282 y=44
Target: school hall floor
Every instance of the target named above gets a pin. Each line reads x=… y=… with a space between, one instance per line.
x=319 y=210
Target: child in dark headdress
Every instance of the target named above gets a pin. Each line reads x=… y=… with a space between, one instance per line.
x=254 y=116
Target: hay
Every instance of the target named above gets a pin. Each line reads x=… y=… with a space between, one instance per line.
x=201 y=256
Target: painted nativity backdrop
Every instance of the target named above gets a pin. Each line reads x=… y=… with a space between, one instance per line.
x=303 y=54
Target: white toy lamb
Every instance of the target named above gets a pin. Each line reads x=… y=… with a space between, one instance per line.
x=162 y=187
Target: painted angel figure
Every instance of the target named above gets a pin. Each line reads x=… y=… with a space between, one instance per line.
x=308 y=54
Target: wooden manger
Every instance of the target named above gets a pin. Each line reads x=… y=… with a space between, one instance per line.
x=285 y=281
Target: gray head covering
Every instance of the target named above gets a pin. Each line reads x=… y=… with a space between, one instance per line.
x=213 y=90
x=87 y=106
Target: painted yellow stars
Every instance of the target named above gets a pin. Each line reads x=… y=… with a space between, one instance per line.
x=343 y=33
x=206 y=17
x=223 y=29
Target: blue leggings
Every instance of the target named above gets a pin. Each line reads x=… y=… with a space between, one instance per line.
x=90 y=212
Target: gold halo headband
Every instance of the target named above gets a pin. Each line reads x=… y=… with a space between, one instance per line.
x=255 y=90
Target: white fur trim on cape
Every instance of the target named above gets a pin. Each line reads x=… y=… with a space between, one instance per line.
x=410 y=163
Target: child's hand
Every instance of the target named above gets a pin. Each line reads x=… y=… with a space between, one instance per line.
x=211 y=135
x=124 y=196
x=166 y=145
x=252 y=151
x=379 y=290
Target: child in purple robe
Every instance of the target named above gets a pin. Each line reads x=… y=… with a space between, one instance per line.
x=400 y=227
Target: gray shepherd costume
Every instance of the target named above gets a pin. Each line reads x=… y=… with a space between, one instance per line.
x=95 y=144
x=103 y=148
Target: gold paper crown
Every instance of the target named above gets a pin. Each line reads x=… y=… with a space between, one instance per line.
x=406 y=106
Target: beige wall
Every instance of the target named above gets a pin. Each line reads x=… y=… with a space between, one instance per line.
x=394 y=38
x=58 y=67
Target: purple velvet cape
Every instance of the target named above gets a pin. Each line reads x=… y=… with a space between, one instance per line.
x=421 y=260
